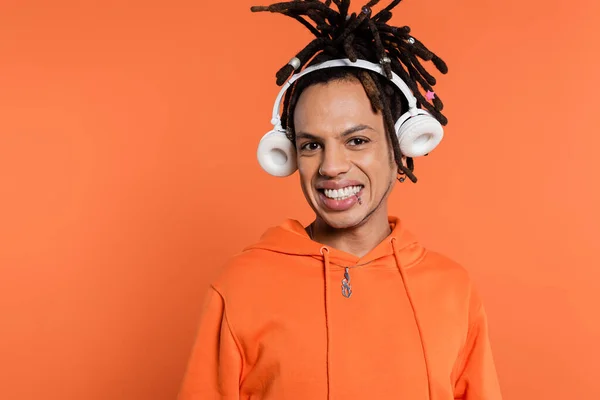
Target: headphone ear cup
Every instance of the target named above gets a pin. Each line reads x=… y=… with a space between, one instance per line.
x=276 y=154
x=419 y=135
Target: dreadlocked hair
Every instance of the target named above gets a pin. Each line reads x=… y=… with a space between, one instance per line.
x=339 y=34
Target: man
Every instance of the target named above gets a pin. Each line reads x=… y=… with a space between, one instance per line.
x=350 y=307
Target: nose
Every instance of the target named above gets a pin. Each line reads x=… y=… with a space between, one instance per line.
x=334 y=162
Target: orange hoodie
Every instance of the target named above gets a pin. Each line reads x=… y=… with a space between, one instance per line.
x=276 y=325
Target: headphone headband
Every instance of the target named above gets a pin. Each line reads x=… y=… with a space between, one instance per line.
x=345 y=62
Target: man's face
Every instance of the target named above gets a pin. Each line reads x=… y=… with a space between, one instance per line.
x=343 y=153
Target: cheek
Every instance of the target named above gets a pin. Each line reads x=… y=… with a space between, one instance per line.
x=306 y=170
x=379 y=168
x=374 y=162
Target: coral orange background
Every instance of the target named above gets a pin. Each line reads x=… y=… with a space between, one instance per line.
x=128 y=175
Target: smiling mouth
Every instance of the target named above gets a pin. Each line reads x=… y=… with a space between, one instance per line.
x=341 y=194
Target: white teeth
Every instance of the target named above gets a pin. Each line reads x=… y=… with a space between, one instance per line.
x=341 y=194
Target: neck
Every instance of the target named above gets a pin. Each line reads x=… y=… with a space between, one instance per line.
x=358 y=240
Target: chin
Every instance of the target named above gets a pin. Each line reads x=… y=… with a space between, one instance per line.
x=342 y=220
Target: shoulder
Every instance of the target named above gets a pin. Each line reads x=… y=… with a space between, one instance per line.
x=249 y=268
x=438 y=265
x=441 y=274
x=239 y=263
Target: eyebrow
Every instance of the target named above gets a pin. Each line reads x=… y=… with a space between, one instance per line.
x=347 y=132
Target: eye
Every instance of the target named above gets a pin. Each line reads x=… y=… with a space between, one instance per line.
x=310 y=146
x=357 y=141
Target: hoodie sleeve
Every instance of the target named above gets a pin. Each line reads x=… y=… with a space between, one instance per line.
x=477 y=379
x=214 y=369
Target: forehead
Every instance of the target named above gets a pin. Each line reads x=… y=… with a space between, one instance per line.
x=333 y=107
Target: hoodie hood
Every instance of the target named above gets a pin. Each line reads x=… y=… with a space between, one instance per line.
x=290 y=238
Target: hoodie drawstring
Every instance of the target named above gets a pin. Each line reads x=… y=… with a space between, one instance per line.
x=325 y=253
x=414 y=311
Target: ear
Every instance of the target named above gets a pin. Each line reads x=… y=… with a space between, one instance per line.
x=404 y=161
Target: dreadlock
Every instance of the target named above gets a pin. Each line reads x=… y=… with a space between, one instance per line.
x=339 y=34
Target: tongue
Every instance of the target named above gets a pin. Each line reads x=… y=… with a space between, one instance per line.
x=340 y=204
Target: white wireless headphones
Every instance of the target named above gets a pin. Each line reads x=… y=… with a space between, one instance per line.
x=417 y=130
